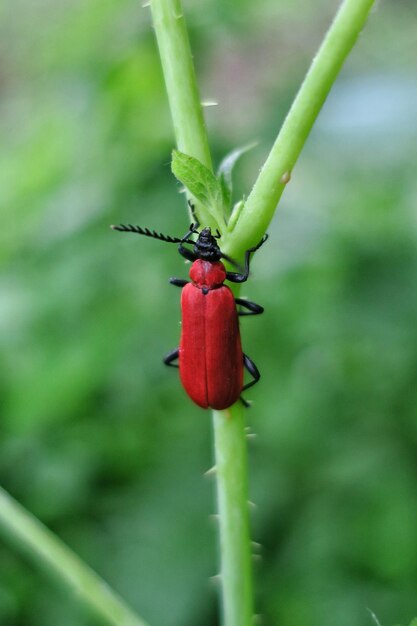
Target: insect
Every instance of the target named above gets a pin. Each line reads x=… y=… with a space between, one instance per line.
x=210 y=356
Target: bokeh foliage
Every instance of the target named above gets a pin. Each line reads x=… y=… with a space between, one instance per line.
x=97 y=438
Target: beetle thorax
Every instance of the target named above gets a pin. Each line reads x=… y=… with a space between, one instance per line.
x=207 y=275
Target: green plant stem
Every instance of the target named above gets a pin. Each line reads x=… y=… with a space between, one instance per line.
x=232 y=498
x=181 y=84
x=230 y=441
x=43 y=547
x=177 y=64
x=273 y=177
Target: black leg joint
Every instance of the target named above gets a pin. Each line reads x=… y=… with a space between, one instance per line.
x=253 y=371
x=178 y=282
x=236 y=277
x=254 y=309
x=187 y=253
x=172 y=356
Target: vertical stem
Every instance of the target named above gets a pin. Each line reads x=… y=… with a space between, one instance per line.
x=232 y=497
x=183 y=96
x=177 y=64
x=229 y=433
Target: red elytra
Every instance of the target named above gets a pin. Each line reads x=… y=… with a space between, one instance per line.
x=210 y=352
x=211 y=360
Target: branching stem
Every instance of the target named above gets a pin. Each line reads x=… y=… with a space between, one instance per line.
x=230 y=441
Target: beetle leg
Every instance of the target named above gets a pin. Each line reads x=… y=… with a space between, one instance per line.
x=178 y=282
x=237 y=277
x=195 y=218
x=253 y=371
x=245 y=403
x=191 y=231
x=186 y=253
x=171 y=356
x=254 y=309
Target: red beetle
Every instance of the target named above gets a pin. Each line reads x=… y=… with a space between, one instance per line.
x=211 y=360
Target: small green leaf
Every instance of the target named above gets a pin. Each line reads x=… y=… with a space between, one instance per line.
x=200 y=181
x=225 y=170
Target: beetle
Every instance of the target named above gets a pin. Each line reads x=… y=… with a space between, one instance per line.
x=210 y=356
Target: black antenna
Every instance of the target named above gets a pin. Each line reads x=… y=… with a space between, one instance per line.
x=129 y=228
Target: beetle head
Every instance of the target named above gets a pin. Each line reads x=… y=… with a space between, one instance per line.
x=206 y=247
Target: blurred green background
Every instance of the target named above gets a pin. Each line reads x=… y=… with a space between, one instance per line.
x=97 y=438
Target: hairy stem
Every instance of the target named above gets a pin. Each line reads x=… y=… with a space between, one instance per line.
x=274 y=175
x=43 y=547
x=232 y=497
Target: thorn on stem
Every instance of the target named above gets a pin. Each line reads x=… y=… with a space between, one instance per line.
x=285 y=178
x=210 y=472
x=216 y=579
x=249 y=433
x=374 y=617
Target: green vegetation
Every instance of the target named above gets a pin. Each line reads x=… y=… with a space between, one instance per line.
x=86 y=314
